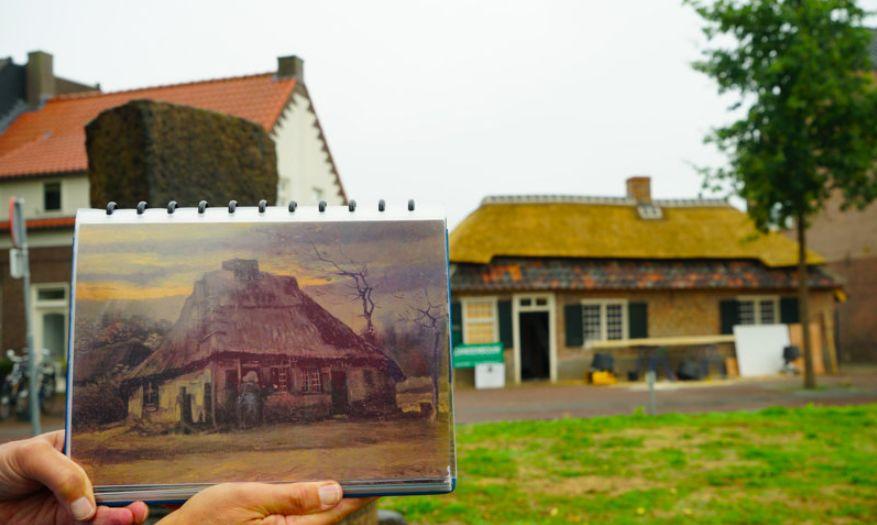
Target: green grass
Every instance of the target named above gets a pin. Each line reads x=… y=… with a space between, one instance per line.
x=809 y=465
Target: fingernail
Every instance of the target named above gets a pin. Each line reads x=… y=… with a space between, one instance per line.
x=82 y=508
x=330 y=494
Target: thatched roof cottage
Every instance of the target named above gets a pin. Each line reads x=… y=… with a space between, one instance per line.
x=246 y=332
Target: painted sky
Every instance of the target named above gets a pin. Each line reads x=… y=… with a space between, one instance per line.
x=151 y=269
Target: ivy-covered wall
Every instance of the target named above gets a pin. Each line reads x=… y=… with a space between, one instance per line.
x=157 y=152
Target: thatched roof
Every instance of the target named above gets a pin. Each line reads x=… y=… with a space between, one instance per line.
x=614 y=228
x=240 y=310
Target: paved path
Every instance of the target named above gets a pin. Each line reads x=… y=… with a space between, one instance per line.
x=545 y=401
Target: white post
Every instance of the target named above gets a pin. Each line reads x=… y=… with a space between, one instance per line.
x=19 y=240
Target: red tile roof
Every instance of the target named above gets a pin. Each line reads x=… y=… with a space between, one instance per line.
x=507 y=274
x=43 y=224
x=52 y=139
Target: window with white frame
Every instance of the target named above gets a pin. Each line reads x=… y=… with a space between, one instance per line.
x=479 y=321
x=604 y=320
x=313 y=385
x=759 y=309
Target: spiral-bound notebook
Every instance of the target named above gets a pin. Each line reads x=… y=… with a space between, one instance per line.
x=271 y=344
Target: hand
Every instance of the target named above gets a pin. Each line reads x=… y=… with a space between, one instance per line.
x=267 y=504
x=39 y=484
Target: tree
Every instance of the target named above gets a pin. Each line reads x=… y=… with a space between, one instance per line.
x=361 y=288
x=800 y=73
x=433 y=319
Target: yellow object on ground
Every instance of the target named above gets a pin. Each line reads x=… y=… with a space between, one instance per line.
x=603 y=378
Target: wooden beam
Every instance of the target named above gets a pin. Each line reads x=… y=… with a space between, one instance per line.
x=685 y=340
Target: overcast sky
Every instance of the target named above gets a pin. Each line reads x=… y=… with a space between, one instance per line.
x=437 y=100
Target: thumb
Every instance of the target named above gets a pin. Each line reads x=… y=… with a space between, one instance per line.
x=289 y=499
x=40 y=461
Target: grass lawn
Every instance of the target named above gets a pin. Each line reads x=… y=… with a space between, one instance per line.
x=809 y=465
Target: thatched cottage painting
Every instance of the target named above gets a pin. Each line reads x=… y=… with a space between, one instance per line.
x=231 y=350
x=243 y=331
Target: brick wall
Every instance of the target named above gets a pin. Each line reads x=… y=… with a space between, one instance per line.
x=670 y=313
x=47 y=265
x=848 y=240
x=858 y=315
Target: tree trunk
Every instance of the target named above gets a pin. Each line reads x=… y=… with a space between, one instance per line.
x=803 y=303
x=436 y=371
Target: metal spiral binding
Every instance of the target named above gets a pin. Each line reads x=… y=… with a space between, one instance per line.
x=172 y=206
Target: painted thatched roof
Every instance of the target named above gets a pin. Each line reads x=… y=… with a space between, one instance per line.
x=240 y=310
x=615 y=228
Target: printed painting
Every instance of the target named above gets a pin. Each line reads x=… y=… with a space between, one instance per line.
x=261 y=352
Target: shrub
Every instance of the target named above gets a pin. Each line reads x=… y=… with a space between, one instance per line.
x=97 y=404
x=156 y=152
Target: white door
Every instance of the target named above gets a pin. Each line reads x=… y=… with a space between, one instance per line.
x=50 y=326
x=533 y=326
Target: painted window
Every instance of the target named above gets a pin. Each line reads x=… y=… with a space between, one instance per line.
x=51 y=196
x=479 y=321
x=313 y=385
x=150 y=395
x=369 y=377
x=604 y=320
x=280 y=378
x=759 y=309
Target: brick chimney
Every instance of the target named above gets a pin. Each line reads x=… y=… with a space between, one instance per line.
x=291 y=67
x=40 y=78
x=640 y=189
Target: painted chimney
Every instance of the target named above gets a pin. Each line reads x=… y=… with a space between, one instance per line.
x=291 y=67
x=40 y=78
x=640 y=189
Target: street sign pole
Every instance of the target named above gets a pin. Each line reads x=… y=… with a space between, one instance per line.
x=19 y=241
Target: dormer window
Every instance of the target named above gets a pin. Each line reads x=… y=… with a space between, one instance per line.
x=649 y=212
x=51 y=196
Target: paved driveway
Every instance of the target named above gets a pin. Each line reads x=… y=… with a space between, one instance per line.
x=546 y=401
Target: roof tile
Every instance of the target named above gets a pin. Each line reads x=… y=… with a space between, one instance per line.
x=506 y=274
x=52 y=139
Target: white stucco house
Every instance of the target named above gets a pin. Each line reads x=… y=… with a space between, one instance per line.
x=43 y=159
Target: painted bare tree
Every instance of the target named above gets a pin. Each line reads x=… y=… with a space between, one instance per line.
x=361 y=288
x=432 y=318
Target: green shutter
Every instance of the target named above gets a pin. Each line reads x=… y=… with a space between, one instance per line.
x=729 y=311
x=789 y=310
x=572 y=320
x=456 y=324
x=638 y=320
x=504 y=309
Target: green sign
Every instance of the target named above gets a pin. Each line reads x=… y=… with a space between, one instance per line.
x=467 y=356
